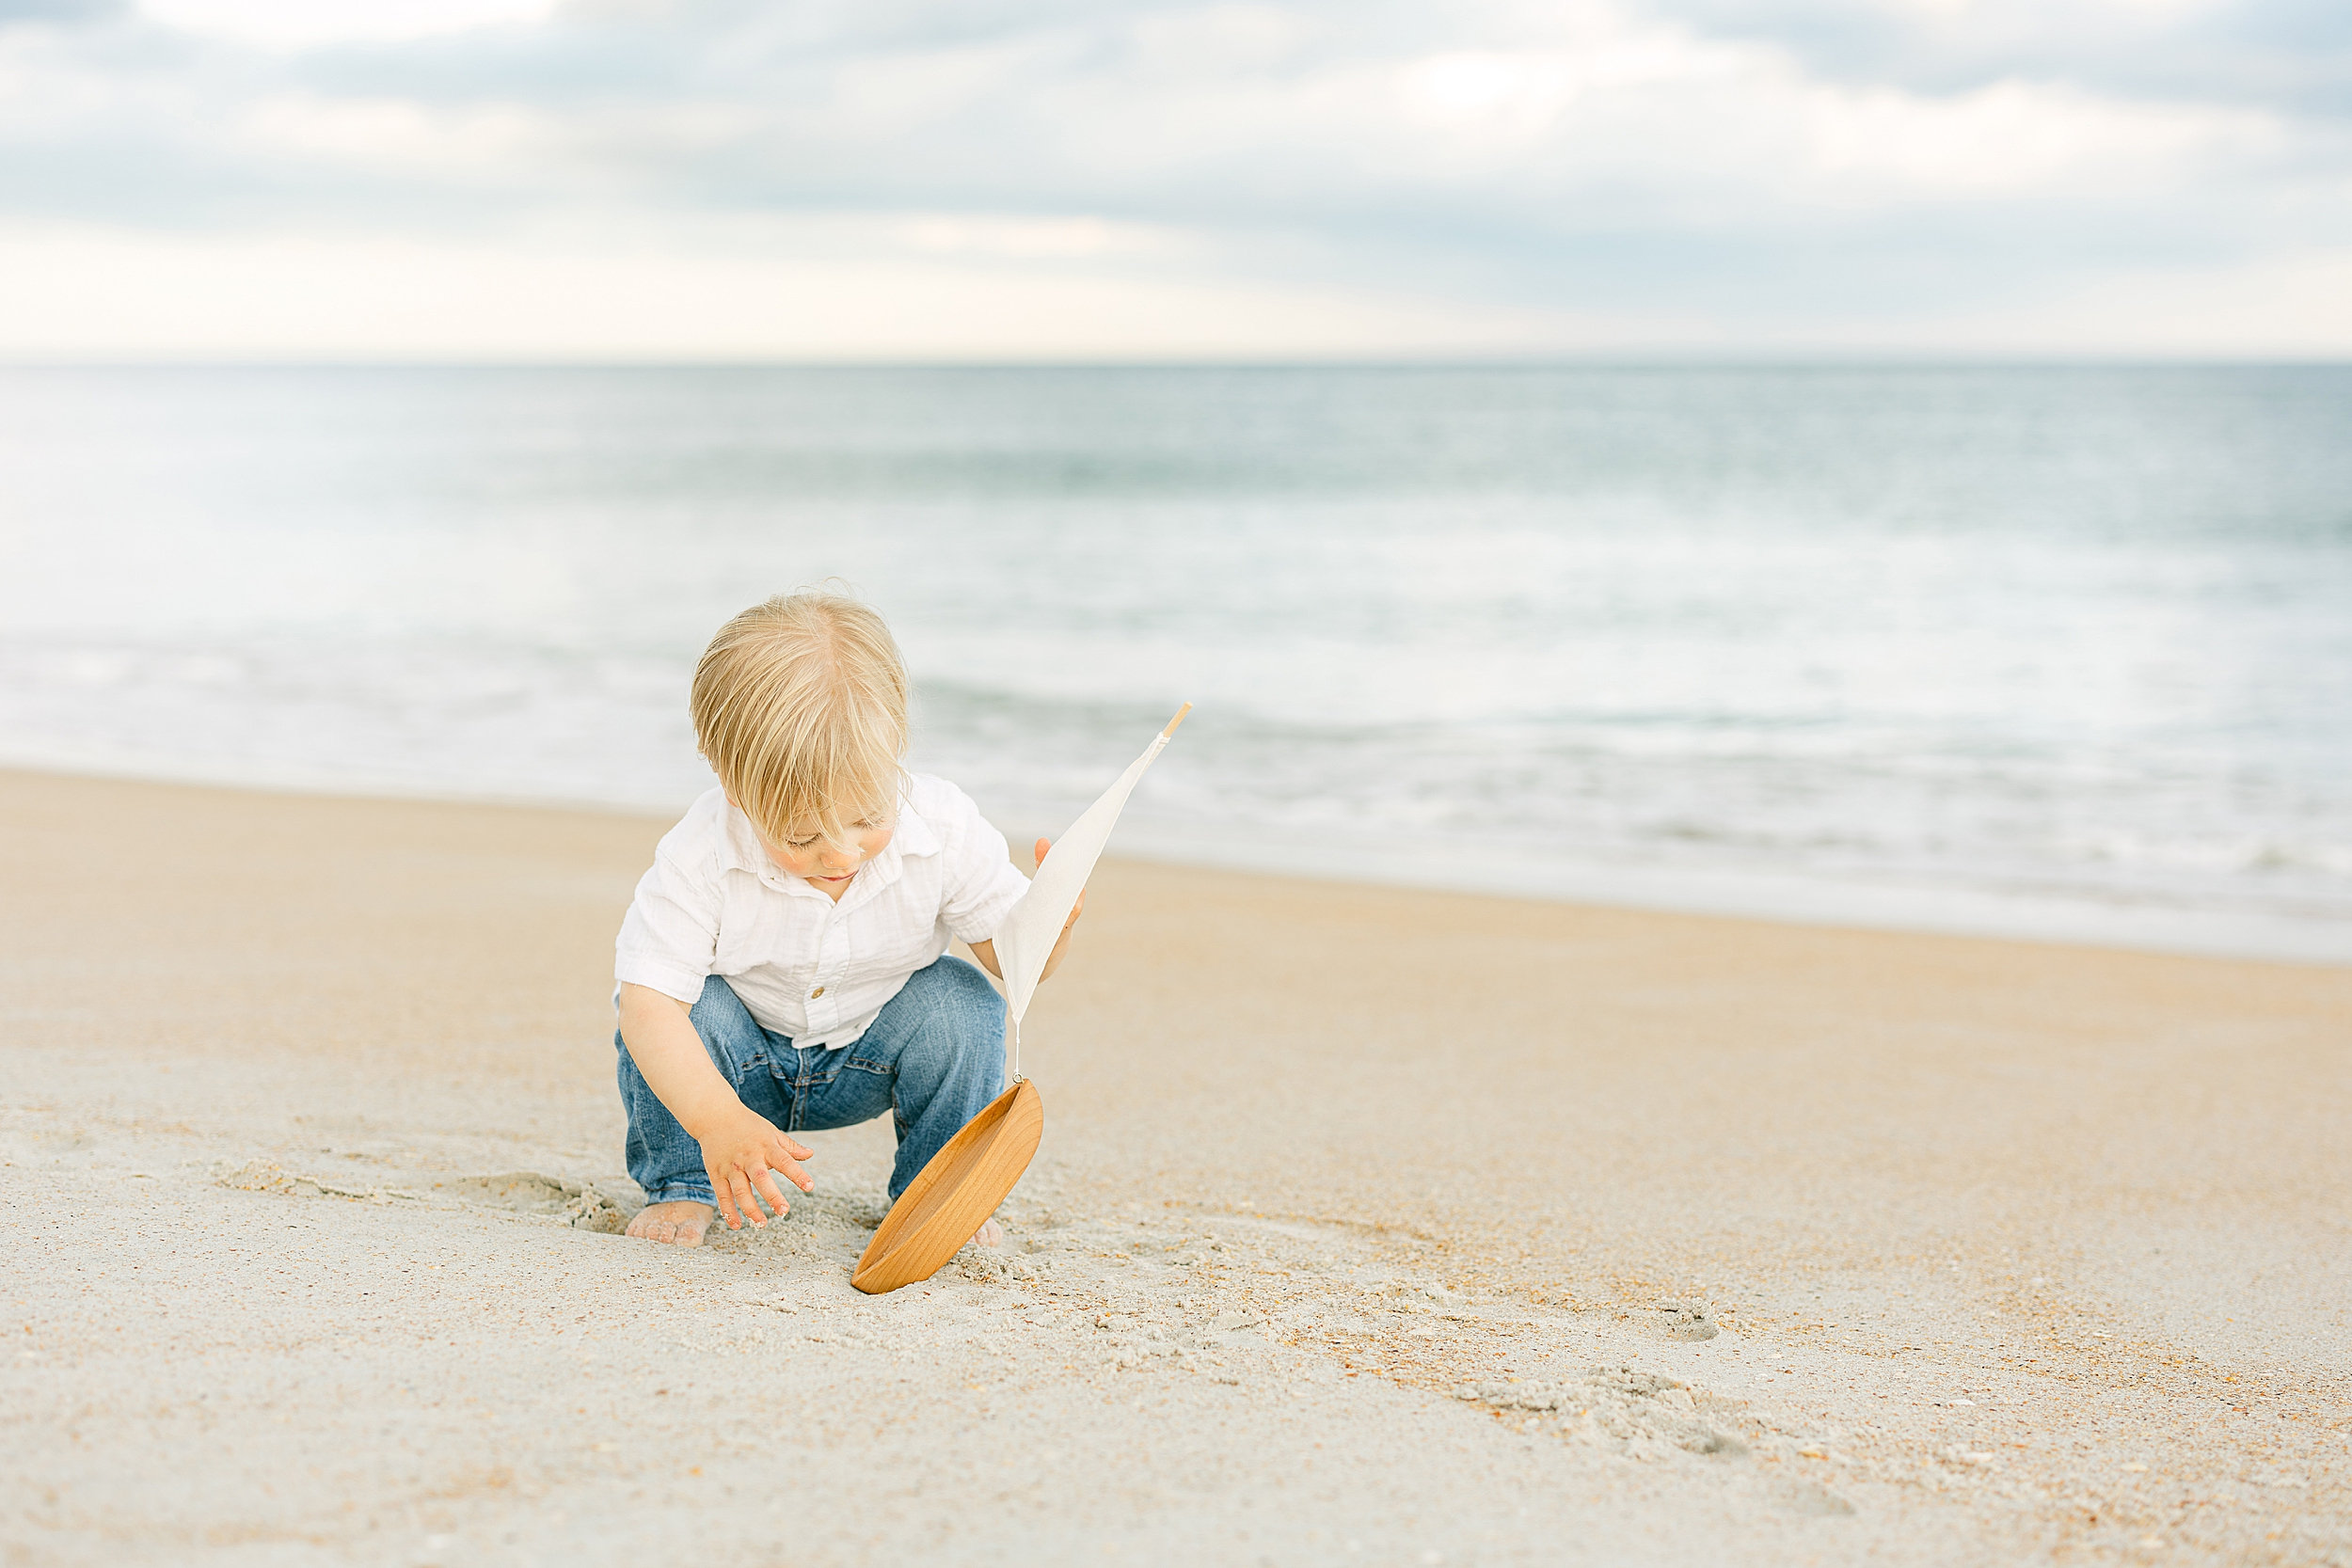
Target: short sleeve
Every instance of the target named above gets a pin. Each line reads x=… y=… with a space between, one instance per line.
x=980 y=885
x=670 y=937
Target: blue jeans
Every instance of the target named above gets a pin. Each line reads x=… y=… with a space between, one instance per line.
x=935 y=1058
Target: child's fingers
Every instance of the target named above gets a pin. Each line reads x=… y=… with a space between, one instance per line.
x=768 y=1189
x=784 y=1154
x=792 y=1171
x=725 y=1200
x=1043 y=844
x=1076 y=910
x=740 y=1186
x=735 y=1198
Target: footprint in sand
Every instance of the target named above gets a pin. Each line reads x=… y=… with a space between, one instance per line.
x=527 y=1191
x=269 y=1176
x=1621 y=1410
x=1686 y=1320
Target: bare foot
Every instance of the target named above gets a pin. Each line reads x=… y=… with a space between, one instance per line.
x=679 y=1223
x=989 y=1234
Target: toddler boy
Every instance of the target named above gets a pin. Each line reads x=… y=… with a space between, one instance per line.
x=783 y=963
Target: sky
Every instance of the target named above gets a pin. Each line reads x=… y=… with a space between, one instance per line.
x=987 y=180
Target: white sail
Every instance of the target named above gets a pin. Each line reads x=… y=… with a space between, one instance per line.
x=1026 y=939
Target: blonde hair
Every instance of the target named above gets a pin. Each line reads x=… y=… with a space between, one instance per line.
x=801 y=708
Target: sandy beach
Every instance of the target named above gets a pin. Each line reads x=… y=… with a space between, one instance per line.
x=1369 y=1227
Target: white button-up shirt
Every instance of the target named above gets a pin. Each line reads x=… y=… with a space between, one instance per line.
x=805 y=966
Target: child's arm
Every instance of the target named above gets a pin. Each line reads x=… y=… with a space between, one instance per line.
x=739 y=1146
x=986 y=951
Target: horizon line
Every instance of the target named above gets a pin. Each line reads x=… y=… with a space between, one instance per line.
x=1788 y=359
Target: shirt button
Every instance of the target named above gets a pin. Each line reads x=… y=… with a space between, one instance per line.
x=818 y=992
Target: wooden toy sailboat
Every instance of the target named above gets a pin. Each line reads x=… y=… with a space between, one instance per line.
x=954 y=1194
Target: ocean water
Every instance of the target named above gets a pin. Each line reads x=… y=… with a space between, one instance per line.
x=2053 y=650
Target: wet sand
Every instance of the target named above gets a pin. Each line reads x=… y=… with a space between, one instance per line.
x=1369 y=1227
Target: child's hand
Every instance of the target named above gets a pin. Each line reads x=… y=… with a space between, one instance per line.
x=738 y=1155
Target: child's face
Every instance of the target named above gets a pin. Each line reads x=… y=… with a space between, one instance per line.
x=827 y=867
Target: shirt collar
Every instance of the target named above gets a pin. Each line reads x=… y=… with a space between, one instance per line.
x=914 y=836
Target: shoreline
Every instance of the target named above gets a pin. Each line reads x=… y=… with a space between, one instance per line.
x=1854 y=901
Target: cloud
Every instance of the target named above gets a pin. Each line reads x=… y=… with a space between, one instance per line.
x=58 y=10
x=2016 y=136
x=2286 y=56
x=915 y=287
x=297 y=24
x=1702 y=174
